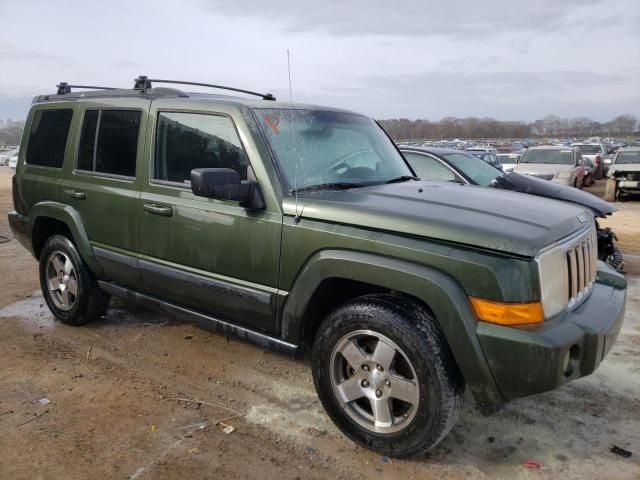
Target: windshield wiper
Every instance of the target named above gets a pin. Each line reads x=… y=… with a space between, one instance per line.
x=402 y=178
x=329 y=186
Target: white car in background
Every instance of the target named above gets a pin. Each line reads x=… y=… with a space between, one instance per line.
x=13 y=161
x=509 y=160
x=5 y=156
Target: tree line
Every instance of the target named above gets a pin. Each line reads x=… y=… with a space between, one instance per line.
x=474 y=127
x=10 y=132
x=452 y=127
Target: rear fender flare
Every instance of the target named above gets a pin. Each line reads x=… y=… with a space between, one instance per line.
x=437 y=290
x=72 y=219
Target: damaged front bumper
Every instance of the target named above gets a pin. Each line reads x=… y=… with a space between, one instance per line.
x=533 y=359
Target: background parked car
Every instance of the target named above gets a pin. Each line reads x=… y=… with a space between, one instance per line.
x=13 y=161
x=560 y=164
x=597 y=153
x=5 y=156
x=624 y=173
x=509 y=160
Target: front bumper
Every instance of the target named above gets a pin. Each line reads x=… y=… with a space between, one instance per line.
x=21 y=228
x=537 y=358
x=628 y=185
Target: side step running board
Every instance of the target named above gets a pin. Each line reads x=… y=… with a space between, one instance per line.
x=205 y=321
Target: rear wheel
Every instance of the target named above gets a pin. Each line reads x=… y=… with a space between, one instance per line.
x=386 y=376
x=69 y=288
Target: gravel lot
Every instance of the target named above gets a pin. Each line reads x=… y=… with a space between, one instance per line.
x=114 y=413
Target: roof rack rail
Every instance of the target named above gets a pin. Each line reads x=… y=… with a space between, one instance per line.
x=64 y=87
x=144 y=83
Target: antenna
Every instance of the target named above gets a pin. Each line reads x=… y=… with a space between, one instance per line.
x=293 y=140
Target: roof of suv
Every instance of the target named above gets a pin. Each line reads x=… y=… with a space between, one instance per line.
x=163 y=92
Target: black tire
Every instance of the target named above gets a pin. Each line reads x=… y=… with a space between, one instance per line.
x=419 y=339
x=89 y=302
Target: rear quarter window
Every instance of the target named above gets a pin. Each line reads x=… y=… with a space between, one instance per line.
x=48 y=137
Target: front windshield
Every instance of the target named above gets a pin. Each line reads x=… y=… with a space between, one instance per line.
x=479 y=171
x=628 y=157
x=326 y=148
x=589 y=149
x=556 y=156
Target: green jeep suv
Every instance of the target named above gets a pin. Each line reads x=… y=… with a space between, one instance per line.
x=303 y=228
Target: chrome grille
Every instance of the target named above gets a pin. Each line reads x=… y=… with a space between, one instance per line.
x=582 y=259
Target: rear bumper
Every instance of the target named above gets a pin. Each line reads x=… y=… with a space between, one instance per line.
x=538 y=358
x=21 y=228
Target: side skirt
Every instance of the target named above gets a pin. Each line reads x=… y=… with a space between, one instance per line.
x=205 y=321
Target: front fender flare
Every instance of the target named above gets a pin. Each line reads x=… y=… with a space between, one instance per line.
x=439 y=291
x=72 y=219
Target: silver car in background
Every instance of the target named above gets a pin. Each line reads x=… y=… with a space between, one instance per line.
x=559 y=164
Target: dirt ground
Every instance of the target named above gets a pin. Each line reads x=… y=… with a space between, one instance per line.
x=113 y=413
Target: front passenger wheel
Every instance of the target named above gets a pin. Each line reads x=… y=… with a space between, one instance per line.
x=386 y=376
x=69 y=288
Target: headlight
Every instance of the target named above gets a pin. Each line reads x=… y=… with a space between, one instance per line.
x=551 y=266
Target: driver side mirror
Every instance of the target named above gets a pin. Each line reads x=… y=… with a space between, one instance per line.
x=225 y=184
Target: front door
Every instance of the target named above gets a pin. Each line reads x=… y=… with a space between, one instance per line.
x=212 y=256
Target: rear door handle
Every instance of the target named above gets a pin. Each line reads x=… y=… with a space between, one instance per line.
x=162 y=210
x=77 y=194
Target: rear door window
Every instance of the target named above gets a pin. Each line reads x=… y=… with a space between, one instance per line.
x=109 y=142
x=48 y=137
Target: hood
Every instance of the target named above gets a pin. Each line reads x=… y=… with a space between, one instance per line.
x=542 y=168
x=465 y=214
x=624 y=167
x=543 y=188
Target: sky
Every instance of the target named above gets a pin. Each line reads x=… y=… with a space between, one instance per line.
x=506 y=59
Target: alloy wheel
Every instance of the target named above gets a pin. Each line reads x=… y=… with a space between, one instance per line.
x=62 y=282
x=374 y=382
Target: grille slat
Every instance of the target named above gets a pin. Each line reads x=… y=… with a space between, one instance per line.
x=581 y=260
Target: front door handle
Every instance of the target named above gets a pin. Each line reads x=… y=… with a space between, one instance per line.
x=77 y=194
x=162 y=210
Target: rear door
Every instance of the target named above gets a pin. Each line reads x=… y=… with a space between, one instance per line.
x=212 y=256
x=103 y=183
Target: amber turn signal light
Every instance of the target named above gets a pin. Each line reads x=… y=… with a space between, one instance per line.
x=507 y=313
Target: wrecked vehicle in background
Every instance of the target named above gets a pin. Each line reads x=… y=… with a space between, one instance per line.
x=623 y=176
x=303 y=229
x=444 y=165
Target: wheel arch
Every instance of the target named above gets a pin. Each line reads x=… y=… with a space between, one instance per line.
x=357 y=273
x=50 y=218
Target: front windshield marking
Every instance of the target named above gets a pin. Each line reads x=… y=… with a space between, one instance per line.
x=561 y=157
x=330 y=148
x=479 y=171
